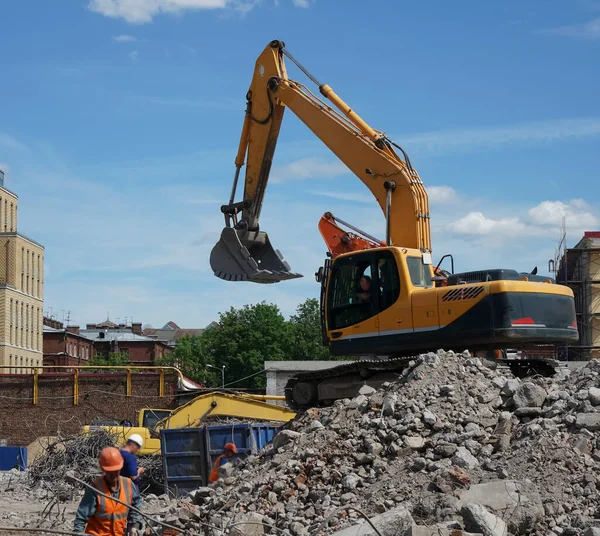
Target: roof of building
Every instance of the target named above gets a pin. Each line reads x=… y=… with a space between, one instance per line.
x=302 y=365
x=123 y=335
x=591 y=239
x=115 y=335
x=172 y=332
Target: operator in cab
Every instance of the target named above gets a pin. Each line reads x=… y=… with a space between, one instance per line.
x=130 y=467
x=364 y=293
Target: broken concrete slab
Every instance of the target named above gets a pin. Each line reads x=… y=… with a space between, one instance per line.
x=480 y=520
x=391 y=523
x=517 y=502
x=435 y=530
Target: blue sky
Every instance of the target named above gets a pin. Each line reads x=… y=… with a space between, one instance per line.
x=119 y=124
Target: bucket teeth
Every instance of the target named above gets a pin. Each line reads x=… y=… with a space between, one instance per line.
x=249 y=256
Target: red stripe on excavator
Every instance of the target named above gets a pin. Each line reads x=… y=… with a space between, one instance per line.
x=522 y=321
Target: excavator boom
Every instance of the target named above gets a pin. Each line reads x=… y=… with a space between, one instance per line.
x=244 y=252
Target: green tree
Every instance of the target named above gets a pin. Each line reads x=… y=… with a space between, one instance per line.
x=306 y=338
x=244 y=339
x=189 y=357
x=112 y=358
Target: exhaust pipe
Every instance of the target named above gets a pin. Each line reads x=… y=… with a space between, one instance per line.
x=242 y=255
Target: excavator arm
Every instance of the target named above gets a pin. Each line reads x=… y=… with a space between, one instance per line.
x=244 y=252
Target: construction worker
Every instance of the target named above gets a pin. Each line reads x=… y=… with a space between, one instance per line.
x=101 y=516
x=228 y=451
x=130 y=466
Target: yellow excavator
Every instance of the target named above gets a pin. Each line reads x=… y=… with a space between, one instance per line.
x=202 y=409
x=388 y=302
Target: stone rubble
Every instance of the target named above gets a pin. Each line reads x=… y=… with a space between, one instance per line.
x=456 y=444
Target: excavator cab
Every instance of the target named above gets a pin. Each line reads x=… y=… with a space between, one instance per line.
x=242 y=255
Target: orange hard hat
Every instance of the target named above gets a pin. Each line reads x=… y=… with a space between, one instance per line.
x=231 y=447
x=110 y=459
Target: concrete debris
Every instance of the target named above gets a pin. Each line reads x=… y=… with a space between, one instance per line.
x=478 y=519
x=454 y=446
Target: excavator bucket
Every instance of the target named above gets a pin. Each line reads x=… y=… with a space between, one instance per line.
x=248 y=256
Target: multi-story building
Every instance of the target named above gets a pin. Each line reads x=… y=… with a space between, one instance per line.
x=70 y=345
x=580 y=270
x=21 y=292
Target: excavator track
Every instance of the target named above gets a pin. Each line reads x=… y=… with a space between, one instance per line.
x=302 y=391
x=306 y=390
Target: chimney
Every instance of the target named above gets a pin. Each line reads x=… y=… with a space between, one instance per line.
x=1 y=178
x=73 y=329
x=136 y=328
x=50 y=322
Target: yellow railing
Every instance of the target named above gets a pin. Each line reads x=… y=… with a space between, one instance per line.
x=76 y=368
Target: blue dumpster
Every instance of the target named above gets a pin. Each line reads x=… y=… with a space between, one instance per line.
x=13 y=458
x=189 y=453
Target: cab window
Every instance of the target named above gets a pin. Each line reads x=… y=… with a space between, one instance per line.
x=151 y=417
x=351 y=293
x=362 y=286
x=420 y=274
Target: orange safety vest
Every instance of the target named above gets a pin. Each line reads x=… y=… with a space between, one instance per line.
x=214 y=474
x=110 y=518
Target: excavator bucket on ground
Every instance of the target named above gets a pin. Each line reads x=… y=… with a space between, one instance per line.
x=242 y=255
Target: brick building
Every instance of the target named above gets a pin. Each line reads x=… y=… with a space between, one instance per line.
x=171 y=332
x=74 y=346
x=21 y=291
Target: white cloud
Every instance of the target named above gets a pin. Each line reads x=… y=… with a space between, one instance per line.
x=475 y=223
x=587 y=30
x=307 y=168
x=442 y=195
x=301 y=3
x=134 y=55
x=124 y=38
x=143 y=11
x=577 y=214
x=544 y=219
x=470 y=139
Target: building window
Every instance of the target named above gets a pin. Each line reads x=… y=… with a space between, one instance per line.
x=21 y=367
x=10 y=364
x=5 y=214
x=12 y=226
x=22 y=259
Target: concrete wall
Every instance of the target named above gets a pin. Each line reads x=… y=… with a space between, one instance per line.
x=100 y=396
x=279 y=372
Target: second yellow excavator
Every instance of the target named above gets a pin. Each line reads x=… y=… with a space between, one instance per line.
x=385 y=302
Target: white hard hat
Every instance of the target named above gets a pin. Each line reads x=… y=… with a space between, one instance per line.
x=136 y=438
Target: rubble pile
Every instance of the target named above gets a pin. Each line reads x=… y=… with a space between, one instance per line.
x=77 y=453
x=452 y=444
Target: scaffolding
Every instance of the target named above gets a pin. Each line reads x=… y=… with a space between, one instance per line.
x=579 y=269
